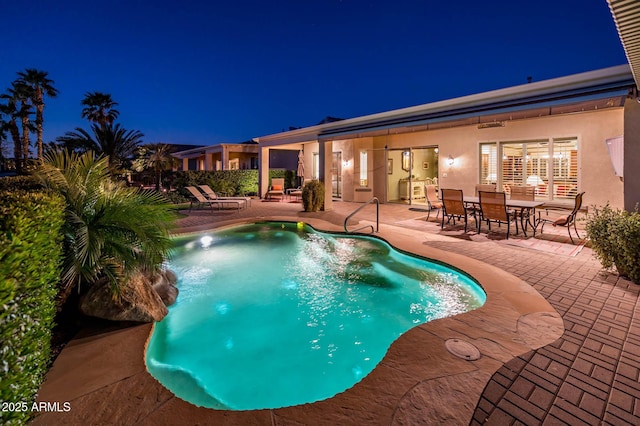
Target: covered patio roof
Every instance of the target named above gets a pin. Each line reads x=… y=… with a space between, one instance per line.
x=217 y=149
x=626 y=15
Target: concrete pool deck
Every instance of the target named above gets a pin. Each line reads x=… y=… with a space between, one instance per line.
x=568 y=357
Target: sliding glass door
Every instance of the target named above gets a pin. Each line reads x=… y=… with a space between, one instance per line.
x=408 y=171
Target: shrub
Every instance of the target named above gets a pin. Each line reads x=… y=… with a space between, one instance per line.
x=176 y=197
x=615 y=239
x=30 y=253
x=313 y=196
x=228 y=182
x=26 y=182
x=110 y=230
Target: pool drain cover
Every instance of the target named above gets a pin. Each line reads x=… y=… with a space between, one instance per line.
x=462 y=349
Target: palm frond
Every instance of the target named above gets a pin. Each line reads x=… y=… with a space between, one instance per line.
x=110 y=229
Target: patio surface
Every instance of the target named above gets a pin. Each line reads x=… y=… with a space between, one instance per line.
x=531 y=370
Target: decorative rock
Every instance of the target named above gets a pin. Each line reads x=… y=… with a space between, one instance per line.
x=170 y=276
x=164 y=285
x=138 y=301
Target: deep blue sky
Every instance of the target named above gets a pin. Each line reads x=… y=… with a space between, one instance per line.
x=206 y=72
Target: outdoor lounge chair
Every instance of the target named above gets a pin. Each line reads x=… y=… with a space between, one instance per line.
x=453 y=207
x=276 y=189
x=199 y=198
x=211 y=194
x=493 y=208
x=566 y=219
x=432 y=199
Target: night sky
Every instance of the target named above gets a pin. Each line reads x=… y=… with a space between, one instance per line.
x=205 y=72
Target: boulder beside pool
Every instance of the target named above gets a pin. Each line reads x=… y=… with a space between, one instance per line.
x=164 y=283
x=143 y=298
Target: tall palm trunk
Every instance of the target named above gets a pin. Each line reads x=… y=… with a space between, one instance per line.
x=39 y=119
x=25 y=139
x=158 y=178
x=17 y=143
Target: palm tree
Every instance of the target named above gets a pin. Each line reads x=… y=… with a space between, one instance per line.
x=156 y=157
x=99 y=108
x=9 y=124
x=112 y=141
x=110 y=230
x=40 y=86
x=18 y=108
x=3 y=139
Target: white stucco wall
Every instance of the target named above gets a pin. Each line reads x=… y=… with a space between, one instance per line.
x=591 y=129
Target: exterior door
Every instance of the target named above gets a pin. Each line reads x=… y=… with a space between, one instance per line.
x=408 y=171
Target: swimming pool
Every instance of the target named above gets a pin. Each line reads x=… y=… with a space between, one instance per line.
x=278 y=314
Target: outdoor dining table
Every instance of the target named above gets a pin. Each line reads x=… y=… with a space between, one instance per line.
x=523 y=205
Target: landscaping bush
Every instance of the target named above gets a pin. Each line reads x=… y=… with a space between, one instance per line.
x=615 y=239
x=30 y=253
x=227 y=182
x=176 y=197
x=313 y=196
x=26 y=182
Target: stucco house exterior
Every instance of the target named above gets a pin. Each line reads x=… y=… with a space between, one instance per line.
x=224 y=156
x=563 y=136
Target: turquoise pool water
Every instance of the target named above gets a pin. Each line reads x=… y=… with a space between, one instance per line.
x=277 y=314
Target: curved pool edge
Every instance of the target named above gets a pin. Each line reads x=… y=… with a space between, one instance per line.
x=514 y=320
x=104 y=377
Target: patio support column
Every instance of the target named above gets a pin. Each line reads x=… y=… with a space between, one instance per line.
x=208 y=161
x=631 y=154
x=325 y=157
x=225 y=157
x=185 y=164
x=263 y=175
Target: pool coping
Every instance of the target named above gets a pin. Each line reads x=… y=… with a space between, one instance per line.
x=417 y=381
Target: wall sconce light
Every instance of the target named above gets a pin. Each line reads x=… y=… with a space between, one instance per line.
x=345 y=163
x=451 y=160
x=436 y=150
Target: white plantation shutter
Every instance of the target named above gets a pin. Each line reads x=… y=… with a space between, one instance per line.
x=565 y=168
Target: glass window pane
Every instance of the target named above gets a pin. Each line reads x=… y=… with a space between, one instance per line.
x=316 y=165
x=363 y=168
x=512 y=161
x=488 y=163
x=565 y=168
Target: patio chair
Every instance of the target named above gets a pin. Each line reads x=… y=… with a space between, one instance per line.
x=567 y=220
x=487 y=187
x=453 y=207
x=523 y=193
x=493 y=208
x=296 y=192
x=432 y=199
x=199 y=198
x=474 y=209
x=276 y=189
x=211 y=194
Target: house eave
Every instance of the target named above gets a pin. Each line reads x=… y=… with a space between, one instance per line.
x=609 y=82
